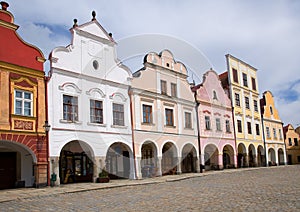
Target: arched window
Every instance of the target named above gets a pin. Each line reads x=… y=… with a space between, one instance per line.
x=271 y=110
x=215 y=95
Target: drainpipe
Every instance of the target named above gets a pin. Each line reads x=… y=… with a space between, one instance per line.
x=234 y=134
x=284 y=156
x=132 y=130
x=46 y=79
x=263 y=132
x=198 y=125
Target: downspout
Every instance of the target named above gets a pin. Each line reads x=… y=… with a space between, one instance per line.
x=285 y=159
x=47 y=133
x=132 y=130
x=263 y=132
x=234 y=134
x=198 y=125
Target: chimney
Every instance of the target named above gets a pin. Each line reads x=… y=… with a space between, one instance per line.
x=4 y=5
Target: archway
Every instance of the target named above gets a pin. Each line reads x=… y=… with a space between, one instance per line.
x=118 y=161
x=242 y=156
x=189 y=158
x=169 y=159
x=261 y=159
x=76 y=163
x=280 y=157
x=149 y=166
x=17 y=163
x=228 y=157
x=211 y=154
x=252 y=156
x=271 y=156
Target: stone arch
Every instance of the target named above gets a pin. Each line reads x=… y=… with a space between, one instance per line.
x=242 y=155
x=261 y=159
x=280 y=156
x=119 y=161
x=189 y=158
x=149 y=159
x=17 y=162
x=271 y=157
x=169 y=158
x=252 y=156
x=211 y=157
x=76 y=162
x=228 y=156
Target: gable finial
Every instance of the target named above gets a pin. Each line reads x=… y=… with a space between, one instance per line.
x=94 y=15
x=75 y=23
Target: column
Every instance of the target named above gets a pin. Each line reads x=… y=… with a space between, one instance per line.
x=202 y=162
x=235 y=163
x=178 y=171
x=158 y=165
x=54 y=170
x=138 y=168
x=220 y=161
x=245 y=160
x=255 y=160
x=197 y=165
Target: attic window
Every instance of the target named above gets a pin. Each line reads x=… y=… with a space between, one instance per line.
x=168 y=65
x=95 y=64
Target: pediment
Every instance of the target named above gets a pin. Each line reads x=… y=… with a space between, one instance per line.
x=95 y=28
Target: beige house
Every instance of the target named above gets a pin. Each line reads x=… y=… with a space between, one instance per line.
x=291 y=138
x=164 y=118
x=273 y=131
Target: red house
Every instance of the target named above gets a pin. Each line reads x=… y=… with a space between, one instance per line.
x=23 y=125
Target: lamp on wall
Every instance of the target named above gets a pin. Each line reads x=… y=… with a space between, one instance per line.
x=46 y=127
x=40 y=142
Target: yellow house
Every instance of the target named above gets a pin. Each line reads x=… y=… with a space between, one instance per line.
x=273 y=131
x=291 y=138
x=240 y=82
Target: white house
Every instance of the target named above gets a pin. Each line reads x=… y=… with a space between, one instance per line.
x=89 y=107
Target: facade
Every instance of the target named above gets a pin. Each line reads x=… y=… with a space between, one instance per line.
x=164 y=119
x=217 y=141
x=291 y=139
x=240 y=81
x=23 y=141
x=273 y=131
x=89 y=108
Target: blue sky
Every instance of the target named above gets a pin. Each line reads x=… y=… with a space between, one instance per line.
x=263 y=33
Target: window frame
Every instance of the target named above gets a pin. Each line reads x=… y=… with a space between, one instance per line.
x=268 y=132
x=94 y=109
x=249 y=127
x=296 y=142
x=71 y=114
x=188 y=120
x=253 y=83
x=163 y=87
x=235 y=75
x=207 y=122
x=257 y=129
x=255 y=104
x=227 y=124
x=173 y=89
x=147 y=114
x=23 y=101
x=239 y=126
x=118 y=114
x=218 y=124
x=237 y=99
x=245 y=80
x=169 y=117
x=247 y=103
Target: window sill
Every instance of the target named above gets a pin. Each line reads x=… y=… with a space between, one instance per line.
x=228 y=132
x=23 y=116
x=69 y=122
x=170 y=126
x=118 y=126
x=147 y=124
x=189 y=128
x=208 y=129
x=96 y=124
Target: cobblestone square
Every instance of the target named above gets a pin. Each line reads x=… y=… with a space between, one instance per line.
x=262 y=189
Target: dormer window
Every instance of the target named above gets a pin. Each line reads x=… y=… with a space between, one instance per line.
x=95 y=64
x=168 y=65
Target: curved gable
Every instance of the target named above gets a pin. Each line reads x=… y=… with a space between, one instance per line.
x=269 y=109
x=15 y=49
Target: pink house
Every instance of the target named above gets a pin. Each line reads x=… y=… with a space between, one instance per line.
x=217 y=141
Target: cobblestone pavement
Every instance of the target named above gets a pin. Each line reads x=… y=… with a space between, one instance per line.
x=263 y=189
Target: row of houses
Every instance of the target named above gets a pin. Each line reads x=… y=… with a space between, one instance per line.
x=92 y=113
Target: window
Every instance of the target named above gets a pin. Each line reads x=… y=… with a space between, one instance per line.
x=207 y=122
x=70 y=108
x=218 y=124
x=290 y=142
x=257 y=129
x=296 y=141
x=245 y=82
x=249 y=127
x=215 y=95
x=268 y=132
x=96 y=111
x=280 y=135
x=239 y=125
x=271 y=110
x=255 y=105
x=274 y=133
x=247 y=102
x=237 y=99
x=118 y=114
x=173 y=90
x=227 y=125
x=163 y=87
x=188 y=120
x=169 y=117
x=147 y=114
x=253 y=84
x=235 y=75
x=23 y=103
